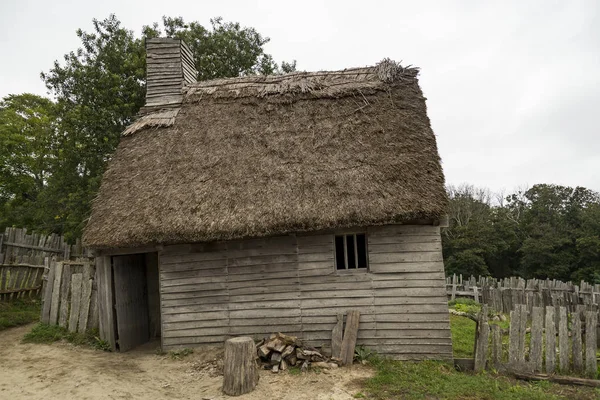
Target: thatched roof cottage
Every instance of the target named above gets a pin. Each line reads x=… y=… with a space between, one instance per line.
x=259 y=204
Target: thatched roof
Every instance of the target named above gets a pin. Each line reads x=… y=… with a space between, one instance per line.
x=267 y=155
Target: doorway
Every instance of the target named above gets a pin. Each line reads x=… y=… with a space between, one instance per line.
x=135 y=299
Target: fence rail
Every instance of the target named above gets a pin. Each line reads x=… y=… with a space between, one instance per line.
x=24 y=259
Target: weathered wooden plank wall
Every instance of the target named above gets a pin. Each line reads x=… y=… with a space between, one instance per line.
x=68 y=296
x=288 y=284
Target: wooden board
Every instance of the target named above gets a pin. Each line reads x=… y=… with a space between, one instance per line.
x=563 y=341
x=76 y=281
x=86 y=293
x=54 y=307
x=350 y=336
x=131 y=302
x=550 y=341
x=337 y=336
x=537 y=325
x=47 y=295
x=106 y=322
x=65 y=289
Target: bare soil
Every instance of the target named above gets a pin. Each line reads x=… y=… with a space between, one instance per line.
x=61 y=370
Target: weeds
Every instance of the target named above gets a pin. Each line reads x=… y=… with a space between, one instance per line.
x=47 y=334
x=179 y=354
x=19 y=312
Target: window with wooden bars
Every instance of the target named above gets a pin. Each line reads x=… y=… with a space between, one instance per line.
x=351 y=251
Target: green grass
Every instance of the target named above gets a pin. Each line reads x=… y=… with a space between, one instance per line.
x=19 y=312
x=179 y=354
x=438 y=380
x=463 y=336
x=44 y=333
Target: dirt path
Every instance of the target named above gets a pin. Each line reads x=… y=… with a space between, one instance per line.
x=33 y=371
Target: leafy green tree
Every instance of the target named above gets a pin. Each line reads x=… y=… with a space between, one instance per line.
x=28 y=140
x=225 y=50
x=100 y=87
x=561 y=232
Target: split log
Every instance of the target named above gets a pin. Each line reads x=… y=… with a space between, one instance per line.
x=336 y=337
x=240 y=373
x=565 y=380
x=350 y=335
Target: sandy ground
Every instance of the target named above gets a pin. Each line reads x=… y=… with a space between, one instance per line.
x=34 y=371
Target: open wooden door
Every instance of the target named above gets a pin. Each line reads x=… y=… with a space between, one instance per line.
x=131 y=301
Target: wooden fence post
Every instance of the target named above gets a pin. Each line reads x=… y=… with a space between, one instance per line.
x=496 y=346
x=513 y=338
x=483 y=333
x=591 y=322
x=537 y=323
x=577 y=344
x=563 y=341
x=550 y=341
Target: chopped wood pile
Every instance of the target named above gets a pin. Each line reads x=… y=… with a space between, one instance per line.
x=278 y=352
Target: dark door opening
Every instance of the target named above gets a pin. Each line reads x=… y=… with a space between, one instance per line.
x=135 y=299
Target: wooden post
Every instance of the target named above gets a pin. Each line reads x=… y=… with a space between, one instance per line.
x=591 y=364
x=75 y=301
x=105 y=300
x=65 y=289
x=47 y=292
x=577 y=344
x=53 y=320
x=240 y=372
x=483 y=333
x=496 y=346
x=85 y=298
x=336 y=337
x=522 y=308
x=563 y=341
x=550 y=341
x=513 y=339
x=350 y=335
x=537 y=324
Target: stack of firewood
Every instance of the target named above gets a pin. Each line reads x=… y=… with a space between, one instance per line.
x=279 y=351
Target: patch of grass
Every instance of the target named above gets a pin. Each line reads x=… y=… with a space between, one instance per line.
x=361 y=354
x=47 y=334
x=19 y=312
x=463 y=336
x=433 y=379
x=294 y=370
x=179 y=354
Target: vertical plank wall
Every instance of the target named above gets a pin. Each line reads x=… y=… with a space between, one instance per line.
x=210 y=292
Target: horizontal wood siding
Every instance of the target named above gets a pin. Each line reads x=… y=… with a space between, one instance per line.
x=411 y=309
x=210 y=292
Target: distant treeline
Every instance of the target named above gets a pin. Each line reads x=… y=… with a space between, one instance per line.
x=546 y=231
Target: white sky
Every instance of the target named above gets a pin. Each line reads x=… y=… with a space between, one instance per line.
x=513 y=87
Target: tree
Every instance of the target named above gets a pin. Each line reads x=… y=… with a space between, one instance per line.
x=561 y=232
x=100 y=87
x=28 y=141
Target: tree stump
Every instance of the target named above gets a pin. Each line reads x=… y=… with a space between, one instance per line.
x=240 y=373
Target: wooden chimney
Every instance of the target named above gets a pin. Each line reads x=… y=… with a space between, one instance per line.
x=170 y=67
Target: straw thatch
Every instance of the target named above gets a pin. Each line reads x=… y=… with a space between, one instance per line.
x=257 y=156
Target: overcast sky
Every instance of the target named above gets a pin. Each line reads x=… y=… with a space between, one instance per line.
x=513 y=87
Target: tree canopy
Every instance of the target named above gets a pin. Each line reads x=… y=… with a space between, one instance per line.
x=546 y=231
x=55 y=151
